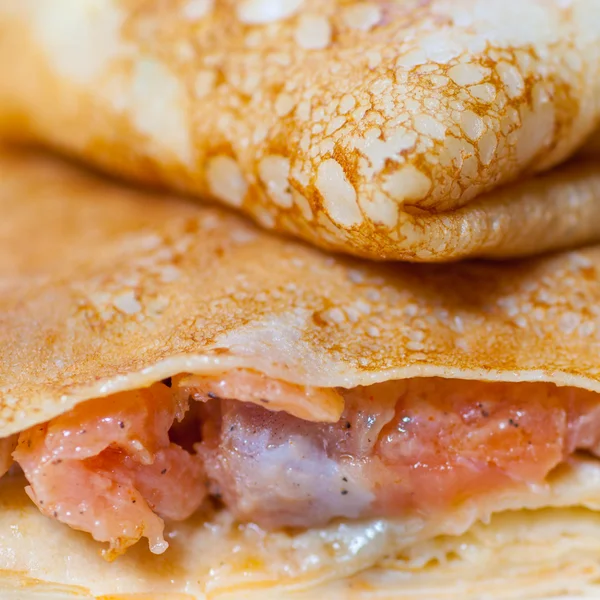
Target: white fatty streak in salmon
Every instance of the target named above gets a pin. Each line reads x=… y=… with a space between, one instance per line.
x=419 y=446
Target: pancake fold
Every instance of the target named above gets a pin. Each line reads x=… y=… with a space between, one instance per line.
x=403 y=130
x=94 y=306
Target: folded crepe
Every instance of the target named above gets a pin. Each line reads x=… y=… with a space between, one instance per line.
x=198 y=409
x=388 y=130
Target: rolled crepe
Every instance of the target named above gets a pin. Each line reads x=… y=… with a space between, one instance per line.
x=381 y=129
x=118 y=306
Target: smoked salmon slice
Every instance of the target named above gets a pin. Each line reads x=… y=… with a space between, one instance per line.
x=119 y=466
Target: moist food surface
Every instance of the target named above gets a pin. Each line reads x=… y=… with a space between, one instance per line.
x=109 y=468
x=119 y=467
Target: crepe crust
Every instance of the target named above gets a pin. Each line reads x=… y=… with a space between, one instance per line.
x=376 y=128
x=106 y=288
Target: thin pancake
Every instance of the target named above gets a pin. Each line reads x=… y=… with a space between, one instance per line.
x=106 y=288
x=376 y=128
x=547 y=549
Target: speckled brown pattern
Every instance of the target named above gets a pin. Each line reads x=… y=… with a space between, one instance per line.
x=361 y=126
x=104 y=288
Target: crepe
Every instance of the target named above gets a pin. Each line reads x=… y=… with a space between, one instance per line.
x=387 y=130
x=107 y=289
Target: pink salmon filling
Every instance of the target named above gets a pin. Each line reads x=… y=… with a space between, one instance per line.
x=118 y=467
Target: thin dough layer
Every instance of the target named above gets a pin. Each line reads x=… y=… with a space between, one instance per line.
x=381 y=129
x=549 y=548
x=92 y=305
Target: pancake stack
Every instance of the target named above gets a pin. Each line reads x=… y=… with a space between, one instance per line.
x=232 y=363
